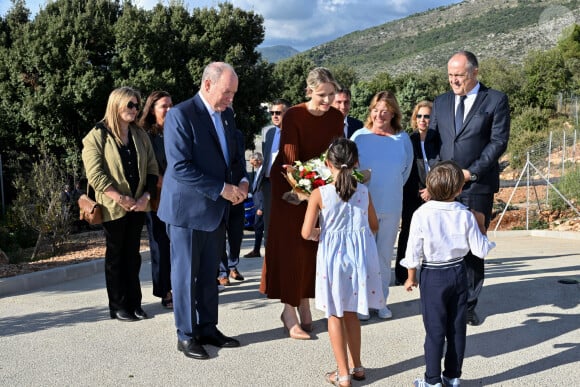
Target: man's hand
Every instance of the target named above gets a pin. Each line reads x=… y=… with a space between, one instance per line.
x=425 y=195
x=234 y=194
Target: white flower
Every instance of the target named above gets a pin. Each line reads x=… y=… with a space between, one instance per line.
x=305 y=183
x=324 y=172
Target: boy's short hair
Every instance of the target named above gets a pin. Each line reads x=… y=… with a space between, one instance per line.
x=444 y=181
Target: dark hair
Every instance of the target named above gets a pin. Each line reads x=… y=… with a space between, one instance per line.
x=343 y=155
x=344 y=90
x=147 y=120
x=281 y=101
x=444 y=181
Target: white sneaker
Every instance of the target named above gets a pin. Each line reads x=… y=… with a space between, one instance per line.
x=450 y=382
x=385 y=313
x=363 y=317
x=423 y=383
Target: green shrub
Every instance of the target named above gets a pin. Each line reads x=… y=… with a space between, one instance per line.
x=569 y=186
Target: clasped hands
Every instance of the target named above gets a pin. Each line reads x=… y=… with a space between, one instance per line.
x=130 y=204
x=235 y=193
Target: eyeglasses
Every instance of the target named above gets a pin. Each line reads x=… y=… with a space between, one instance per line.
x=131 y=105
x=425 y=116
x=275 y=113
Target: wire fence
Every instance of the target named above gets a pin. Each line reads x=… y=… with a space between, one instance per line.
x=547 y=164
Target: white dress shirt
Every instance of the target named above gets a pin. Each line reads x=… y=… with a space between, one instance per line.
x=442 y=232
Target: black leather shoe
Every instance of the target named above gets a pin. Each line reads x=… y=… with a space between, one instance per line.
x=191 y=348
x=123 y=315
x=220 y=340
x=235 y=274
x=253 y=254
x=473 y=318
x=140 y=314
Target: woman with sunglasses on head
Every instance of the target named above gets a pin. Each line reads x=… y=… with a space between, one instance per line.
x=425 y=149
x=152 y=120
x=119 y=161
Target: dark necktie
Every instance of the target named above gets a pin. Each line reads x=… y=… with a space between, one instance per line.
x=459 y=113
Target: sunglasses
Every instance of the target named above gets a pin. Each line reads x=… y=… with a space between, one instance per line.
x=131 y=105
x=275 y=113
x=425 y=116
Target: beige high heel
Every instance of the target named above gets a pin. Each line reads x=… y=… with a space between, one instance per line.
x=297 y=333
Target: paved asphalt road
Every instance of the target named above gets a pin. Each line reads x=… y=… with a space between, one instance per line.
x=60 y=334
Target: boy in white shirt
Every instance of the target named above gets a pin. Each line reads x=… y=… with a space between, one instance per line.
x=442 y=232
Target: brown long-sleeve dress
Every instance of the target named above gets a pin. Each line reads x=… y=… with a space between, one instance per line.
x=289 y=266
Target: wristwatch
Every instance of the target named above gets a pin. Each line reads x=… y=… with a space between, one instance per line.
x=473 y=177
x=148 y=196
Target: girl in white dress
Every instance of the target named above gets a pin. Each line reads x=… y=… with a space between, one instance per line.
x=348 y=278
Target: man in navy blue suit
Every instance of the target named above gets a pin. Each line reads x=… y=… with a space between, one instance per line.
x=473 y=122
x=198 y=189
x=342 y=102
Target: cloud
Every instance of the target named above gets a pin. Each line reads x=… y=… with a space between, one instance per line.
x=303 y=24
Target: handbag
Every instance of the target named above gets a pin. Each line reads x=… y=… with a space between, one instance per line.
x=90 y=210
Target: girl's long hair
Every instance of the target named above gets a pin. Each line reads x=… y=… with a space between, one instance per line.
x=343 y=155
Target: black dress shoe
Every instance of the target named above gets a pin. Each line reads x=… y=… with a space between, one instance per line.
x=123 y=315
x=191 y=348
x=220 y=340
x=253 y=254
x=140 y=314
x=235 y=274
x=473 y=318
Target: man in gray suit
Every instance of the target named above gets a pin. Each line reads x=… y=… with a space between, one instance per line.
x=473 y=122
x=270 y=150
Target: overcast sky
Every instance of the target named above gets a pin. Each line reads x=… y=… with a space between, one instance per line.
x=303 y=24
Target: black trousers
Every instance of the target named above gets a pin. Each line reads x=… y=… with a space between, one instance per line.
x=475 y=269
x=409 y=208
x=258 y=232
x=123 y=261
x=235 y=234
x=159 y=250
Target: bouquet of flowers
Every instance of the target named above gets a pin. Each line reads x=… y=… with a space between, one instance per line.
x=304 y=177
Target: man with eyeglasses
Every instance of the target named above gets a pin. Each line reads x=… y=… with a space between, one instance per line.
x=473 y=122
x=342 y=102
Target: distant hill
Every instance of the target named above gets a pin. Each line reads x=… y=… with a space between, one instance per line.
x=490 y=28
x=275 y=53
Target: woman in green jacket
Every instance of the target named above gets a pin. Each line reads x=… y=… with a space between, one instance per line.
x=118 y=157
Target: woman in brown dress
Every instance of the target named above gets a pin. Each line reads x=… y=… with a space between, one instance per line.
x=290 y=262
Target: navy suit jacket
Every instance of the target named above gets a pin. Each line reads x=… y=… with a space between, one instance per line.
x=196 y=167
x=481 y=141
x=353 y=125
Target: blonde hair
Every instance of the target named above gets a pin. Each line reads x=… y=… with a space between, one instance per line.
x=422 y=104
x=392 y=105
x=317 y=77
x=118 y=100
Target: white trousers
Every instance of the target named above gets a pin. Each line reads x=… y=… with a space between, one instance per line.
x=385 y=238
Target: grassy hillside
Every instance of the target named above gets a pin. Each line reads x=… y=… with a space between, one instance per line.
x=490 y=28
